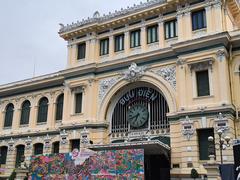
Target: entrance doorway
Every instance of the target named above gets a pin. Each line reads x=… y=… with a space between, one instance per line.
x=157 y=167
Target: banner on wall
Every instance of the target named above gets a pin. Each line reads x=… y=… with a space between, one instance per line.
x=236 y=152
x=88 y=165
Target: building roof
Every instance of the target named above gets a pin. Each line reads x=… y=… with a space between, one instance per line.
x=99 y=19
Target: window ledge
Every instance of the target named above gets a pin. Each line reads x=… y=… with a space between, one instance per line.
x=171 y=40
x=42 y=123
x=203 y=97
x=23 y=125
x=119 y=52
x=199 y=32
x=7 y=128
x=77 y=114
x=80 y=60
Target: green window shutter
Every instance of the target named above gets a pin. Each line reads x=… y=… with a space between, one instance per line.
x=38 y=148
x=59 y=107
x=203 y=142
x=55 y=147
x=78 y=102
x=25 y=114
x=20 y=153
x=75 y=144
x=81 y=51
x=9 y=115
x=3 y=154
x=202 y=83
x=43 y=110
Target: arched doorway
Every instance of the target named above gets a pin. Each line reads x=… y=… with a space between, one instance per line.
x=138 y=119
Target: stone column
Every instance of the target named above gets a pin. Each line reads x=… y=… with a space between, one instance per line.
x=208 y=9
x=88 y=52
x=218 y=18
x=50 y=117
x=181 y=77
x=188 y=23
x=66 y=103
x=161 y=34
x=224 y=86
x=70 y=56
x=111 y=45
x=181 y=25
x=126 y=41
x=11 y=158
x=16 y=116
x=2 y=118
x=21 y=173
x=143 y=37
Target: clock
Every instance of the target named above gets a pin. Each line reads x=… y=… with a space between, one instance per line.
x=137 y=115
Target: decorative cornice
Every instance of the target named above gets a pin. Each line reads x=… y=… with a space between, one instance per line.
x=98 y=19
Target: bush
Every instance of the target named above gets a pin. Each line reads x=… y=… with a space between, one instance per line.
x=13 y=175
x=194 y=174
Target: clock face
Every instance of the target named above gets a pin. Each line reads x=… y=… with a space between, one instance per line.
x=137 y=115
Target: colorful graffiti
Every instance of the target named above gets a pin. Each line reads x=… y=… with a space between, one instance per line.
x=89 y=165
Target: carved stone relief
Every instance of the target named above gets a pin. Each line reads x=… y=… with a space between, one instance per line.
x=168 y=73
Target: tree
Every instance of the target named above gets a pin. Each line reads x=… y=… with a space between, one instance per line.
x=194 y=174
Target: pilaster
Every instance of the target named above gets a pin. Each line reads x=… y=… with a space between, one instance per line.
x=16 y=118
x=224 y=82
x=218 y=17
x=180 y=21
x=187 y=24
x=111 y=45
x=143 y=36
x=209 y=17
x=161 y=32
x=126 y=41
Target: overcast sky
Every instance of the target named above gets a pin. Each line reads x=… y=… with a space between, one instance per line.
x=29 y=33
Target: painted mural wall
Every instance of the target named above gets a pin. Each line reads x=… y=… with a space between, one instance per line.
x=89 y=165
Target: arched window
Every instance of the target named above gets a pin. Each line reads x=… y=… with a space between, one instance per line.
x=3 y=154
x=42 y=110
x=19 y=155
x=59 y=107
x=25 y=113
x=38 y=148
x=9 y=115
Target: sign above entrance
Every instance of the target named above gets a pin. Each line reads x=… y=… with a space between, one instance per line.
x=147 y=94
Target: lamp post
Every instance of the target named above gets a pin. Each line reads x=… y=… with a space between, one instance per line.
x=222 y=144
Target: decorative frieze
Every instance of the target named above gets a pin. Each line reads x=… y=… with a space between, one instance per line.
x=63 y=136
x=28 y=142
x=11 y=144
x=168 y=73
x=221 y=122
x=220 y=55
x=199 y=66
x=187 y=128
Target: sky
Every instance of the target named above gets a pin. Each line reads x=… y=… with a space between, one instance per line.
x=30 y=45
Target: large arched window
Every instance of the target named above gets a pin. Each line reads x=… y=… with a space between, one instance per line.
x=25 y=113
x=59 y=107
x=42 y=110
x=3 y=154
x=19 y=155
x=9 y=115
x=38 y=148
x=140 y=108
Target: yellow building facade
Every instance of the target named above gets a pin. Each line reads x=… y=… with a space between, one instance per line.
x=161 y=75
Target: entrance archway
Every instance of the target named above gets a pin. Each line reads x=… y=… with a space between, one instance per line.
x=138 y=119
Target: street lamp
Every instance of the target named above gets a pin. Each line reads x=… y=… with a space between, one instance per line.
x=222 y=144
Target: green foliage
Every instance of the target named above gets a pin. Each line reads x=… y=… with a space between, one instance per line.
x=194 y=173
